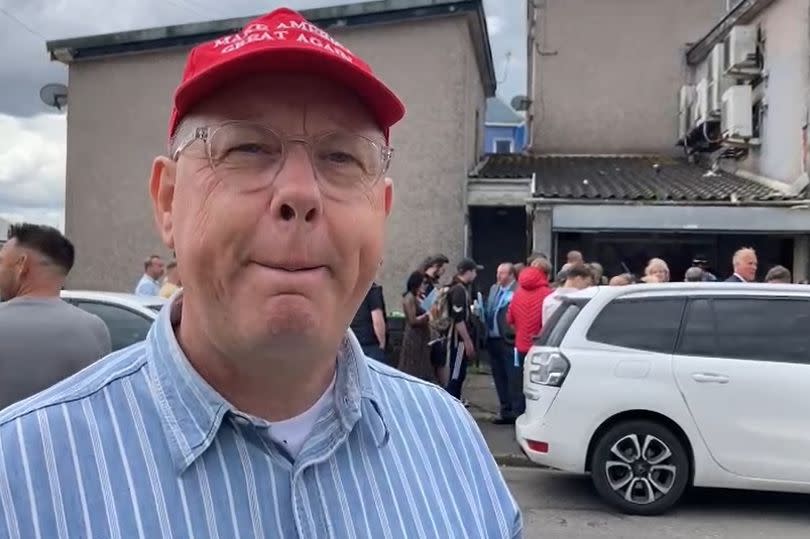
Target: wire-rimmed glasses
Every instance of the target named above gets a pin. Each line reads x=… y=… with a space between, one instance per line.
x=252 y=155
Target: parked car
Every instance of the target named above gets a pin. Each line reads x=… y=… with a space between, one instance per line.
x=653 y=388
x=128 y=317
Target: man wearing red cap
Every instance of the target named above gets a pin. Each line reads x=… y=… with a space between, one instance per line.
x=250 y=410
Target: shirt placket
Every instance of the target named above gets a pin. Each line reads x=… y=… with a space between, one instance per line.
x=308 y=503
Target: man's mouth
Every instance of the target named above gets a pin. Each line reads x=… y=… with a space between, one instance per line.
x=292 y=267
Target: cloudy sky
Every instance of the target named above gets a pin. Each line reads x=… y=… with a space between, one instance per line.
x=32 y=136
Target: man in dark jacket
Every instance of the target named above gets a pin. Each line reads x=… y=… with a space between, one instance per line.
x=745 y=266
x=501 y=337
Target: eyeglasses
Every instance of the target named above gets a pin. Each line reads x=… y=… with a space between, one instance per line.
x=251 y=155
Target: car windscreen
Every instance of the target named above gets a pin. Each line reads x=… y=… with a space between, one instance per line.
x=557 y=326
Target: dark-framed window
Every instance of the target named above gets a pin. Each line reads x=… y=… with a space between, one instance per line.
x=650 y=324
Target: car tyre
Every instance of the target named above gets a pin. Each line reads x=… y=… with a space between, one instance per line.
x=640 y=467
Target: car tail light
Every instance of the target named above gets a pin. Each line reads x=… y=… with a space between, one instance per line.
x=540 y=447
x=548 y=368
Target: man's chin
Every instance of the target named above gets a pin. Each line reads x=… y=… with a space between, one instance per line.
x=291 y=316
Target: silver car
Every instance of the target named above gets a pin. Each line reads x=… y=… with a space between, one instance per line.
x=128 y=317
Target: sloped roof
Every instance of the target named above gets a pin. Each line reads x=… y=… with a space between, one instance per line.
x=631 y=178
x=499 y=112
x=375 y=12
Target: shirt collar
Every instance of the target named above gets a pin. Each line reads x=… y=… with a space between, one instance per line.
x=192 y=411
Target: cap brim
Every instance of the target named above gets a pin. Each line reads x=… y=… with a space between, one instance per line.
x=383 y=104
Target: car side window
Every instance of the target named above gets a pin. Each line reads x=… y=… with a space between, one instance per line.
x=699 y=336
x=763 y=329
x=126 y=327
x=650 y=324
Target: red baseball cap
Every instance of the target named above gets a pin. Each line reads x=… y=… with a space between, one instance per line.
x=282 y=40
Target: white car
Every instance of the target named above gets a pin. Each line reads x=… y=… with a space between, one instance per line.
x=128 y=317
x=653 y=388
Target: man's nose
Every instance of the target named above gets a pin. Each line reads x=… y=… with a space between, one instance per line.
x=296 y=195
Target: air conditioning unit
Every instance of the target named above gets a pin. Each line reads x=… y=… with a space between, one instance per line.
x=737 y=118
x=717 y=83
x=700 y=104
x=686 y=100
x=741 y=50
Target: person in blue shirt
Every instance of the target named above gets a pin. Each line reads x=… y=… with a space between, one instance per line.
x=500 y=337
x=149 y=284
x=250 y=410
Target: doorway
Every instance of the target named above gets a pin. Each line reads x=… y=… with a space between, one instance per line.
x=621 y=252
x=498 y=235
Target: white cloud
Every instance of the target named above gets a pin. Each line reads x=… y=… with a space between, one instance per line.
x=32 y=168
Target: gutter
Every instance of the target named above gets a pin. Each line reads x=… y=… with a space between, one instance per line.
x=187 y=35
x=742 y=13
x=790 y=204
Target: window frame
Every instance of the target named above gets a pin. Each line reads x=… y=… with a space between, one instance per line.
x=643 y=299
x=712 y=299
x=76 y=302
x=496 y=140
x=550 y=329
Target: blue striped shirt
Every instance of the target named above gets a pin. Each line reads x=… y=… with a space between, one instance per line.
x=139 y=445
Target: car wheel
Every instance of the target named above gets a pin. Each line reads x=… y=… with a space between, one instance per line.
x=640 y=467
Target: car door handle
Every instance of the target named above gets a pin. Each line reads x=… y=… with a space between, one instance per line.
x=709 y=378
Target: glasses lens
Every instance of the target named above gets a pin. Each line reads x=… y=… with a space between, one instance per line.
x=346 y=160
x=246 y=151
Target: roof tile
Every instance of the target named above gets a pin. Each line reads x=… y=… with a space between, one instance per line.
x=641 y=178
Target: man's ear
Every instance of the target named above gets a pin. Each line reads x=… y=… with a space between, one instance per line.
x=23 y=264
x=389 y=195
x=161 y=191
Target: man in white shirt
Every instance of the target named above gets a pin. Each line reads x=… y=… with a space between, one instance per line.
x=149 y=285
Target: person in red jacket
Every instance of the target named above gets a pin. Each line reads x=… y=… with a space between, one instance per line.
x=525 y=315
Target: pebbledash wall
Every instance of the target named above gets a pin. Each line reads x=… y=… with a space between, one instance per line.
x=434 y=53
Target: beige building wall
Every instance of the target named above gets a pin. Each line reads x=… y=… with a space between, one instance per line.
x=607 y=73
x=786 y=28
x=118 y=117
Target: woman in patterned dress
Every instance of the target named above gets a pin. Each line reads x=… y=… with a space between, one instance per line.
x=414 y=358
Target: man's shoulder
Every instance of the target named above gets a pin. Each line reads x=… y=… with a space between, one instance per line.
x=73 y=390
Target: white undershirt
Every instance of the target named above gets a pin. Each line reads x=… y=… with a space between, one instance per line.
x=292 y=433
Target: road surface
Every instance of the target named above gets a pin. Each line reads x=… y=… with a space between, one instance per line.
x=557 y=505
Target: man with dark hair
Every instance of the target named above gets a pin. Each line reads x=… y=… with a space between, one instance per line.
x=460 y=343
x=577 y=277
x=42 y=338
x=149 y=285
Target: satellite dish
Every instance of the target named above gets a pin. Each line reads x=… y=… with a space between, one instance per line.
x=520 y=103
x=54 y=95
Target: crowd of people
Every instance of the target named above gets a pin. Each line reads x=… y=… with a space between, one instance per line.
x=159 y=278
x=446 y=324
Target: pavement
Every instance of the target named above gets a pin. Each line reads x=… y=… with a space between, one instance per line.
x=479 y=390
x=559 y=505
